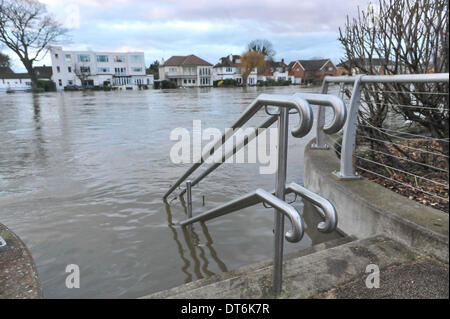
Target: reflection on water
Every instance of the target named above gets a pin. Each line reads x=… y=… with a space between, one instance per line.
x=82 y=175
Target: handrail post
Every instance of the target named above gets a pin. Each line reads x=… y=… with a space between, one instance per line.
x=347 y=169
x=280 y=193
x=189 y=198
x=320 y=142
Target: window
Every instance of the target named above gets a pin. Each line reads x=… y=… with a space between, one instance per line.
x=56 y=55
x=329 y=69
x=207 y=71
x=68 y=58
x=119 y=58
x=28 y=83
x=298 y=69
x=85 y=69
x=229 y=70
x=103 y=70
x=60 y=82
x=136 y=69
x=185 y=81
x=120 y=70
x=102 y=58
x=84 y=58
x=172 y=69
x=69 y=69
x=69 y=82
x=58 y=69
x=193 y=81
x=135 y=59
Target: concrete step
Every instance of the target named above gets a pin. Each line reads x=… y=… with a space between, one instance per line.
x=305 y=275
x=249 y=268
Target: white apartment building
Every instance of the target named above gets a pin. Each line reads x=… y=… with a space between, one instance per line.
x=187 y=71
x=89 y=68
x=228 y=68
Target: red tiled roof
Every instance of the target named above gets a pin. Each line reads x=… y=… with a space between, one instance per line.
x=186 y=60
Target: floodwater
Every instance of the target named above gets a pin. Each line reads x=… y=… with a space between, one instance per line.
x=82 y=175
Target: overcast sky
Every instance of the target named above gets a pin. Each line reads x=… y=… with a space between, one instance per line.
x=298 y=29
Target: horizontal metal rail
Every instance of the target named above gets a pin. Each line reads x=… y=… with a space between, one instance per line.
x=287 y=101
x=294 y=235
x=399 y=78
x=331 y=218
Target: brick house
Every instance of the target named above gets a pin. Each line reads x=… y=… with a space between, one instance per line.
x=310 y=71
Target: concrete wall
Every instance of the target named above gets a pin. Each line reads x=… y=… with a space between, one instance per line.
x=366 y=208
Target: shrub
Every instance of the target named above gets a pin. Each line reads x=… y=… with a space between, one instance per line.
x=46 y=86
x=164 y=84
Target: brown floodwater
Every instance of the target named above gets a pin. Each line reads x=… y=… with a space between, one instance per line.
x=82 y=175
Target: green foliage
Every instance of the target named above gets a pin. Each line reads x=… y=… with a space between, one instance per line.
x=271 y=82
x=46 y=86
x=154 y=69
x=225 y=83
x=5 y=61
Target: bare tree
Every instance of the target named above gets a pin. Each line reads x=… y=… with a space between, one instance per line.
x=27 y=29
x=82 y=73
x=263 y=46
x=249 y=61
x=401 y=36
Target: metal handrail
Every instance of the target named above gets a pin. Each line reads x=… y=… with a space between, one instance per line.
x=338 y=105
x=284 y=101
x=261 y=195
x=331 y=218
x=299 y=102
x=294 y=235
x=340 y=116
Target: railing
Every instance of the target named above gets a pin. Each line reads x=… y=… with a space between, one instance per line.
x=300 y=104
x=395 y=133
